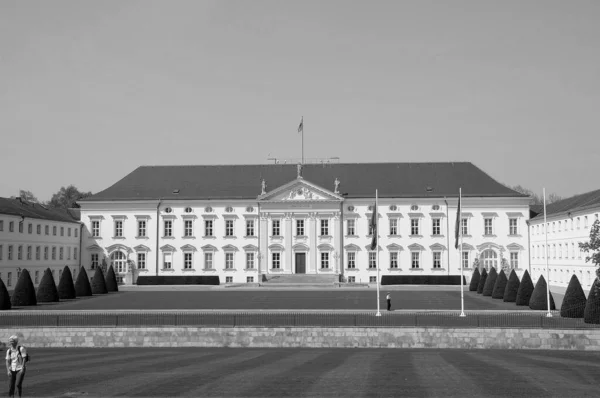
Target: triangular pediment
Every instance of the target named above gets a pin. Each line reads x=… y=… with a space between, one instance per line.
x=300 y=190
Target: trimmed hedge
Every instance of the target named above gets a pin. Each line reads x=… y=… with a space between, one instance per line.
x=4 y=297
x=82 y=285
x=482 y=280
x=178 y=280
x=24 y=293
x=592 y=306
x=525 y=290
x=66 y=289
x=573 y=304
x=111 y=280
x=539 y=297
x=47 y=292
x=488 y=288
x=500 y=285
x=98 y=282
x=512 y=288
x=474 y=280
x=420 y=280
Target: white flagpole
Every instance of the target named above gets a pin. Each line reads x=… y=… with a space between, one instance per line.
x=302 y=124
x=548 y=315
x=462 y=287
x=377 y=248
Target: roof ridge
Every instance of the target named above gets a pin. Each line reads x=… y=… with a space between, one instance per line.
x=294 y=164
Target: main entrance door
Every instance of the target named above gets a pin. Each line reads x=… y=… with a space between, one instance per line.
x=301 y=263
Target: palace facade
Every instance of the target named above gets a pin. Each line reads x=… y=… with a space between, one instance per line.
x=246 y=223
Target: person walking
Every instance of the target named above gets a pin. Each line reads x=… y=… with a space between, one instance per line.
x=389 y=301
x=16 y=359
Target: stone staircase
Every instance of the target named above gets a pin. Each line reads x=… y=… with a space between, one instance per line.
x=300 y=280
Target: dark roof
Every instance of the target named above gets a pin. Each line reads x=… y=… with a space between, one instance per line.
x=534 y=210
x=358 y=180
x=23 y=208
x=574 y=203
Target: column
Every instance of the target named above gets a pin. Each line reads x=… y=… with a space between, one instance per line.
x=336 y=242
x=314 y=252
x=263 y=244
x=288 y=244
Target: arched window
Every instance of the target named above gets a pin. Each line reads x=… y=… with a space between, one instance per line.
x=119 y=262
x=490 y=259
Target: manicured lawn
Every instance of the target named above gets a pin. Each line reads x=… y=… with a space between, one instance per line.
x=281 y=299
x=239 y=372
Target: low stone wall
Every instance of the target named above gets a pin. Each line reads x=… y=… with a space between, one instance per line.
x=430 y=337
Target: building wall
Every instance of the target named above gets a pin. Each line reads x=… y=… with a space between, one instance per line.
x=565 y=232
x=66 y=237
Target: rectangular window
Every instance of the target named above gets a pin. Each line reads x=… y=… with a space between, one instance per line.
x=118 y=229
x=249 y=227
x=60 y=253
x=275 y=228
x=20 y=231
x=69 y=231
x=68 y=253
x=228 y=227
x=465 y=259
x=372 y=260
x=436 y=226
x=10 y=252
x=1 y=252
x=487 y=223
x=168 y=228
x=187 y=261
x=20 y=253
x=324 y=260
x=229 y=279
x=249 y=260
x=37 y=253
x=512 y=226
x=276 y=260
x=167 y=260
x=11 y=226
x=299 y=227
x=141 y=260
x=94 y=261
x=208 y=227
x=577 y=222
x=514 y=260
x=585 y=222
x=464 y=225
x=249 y=279
x=38 y=229
x=1 y=225
x=75 y=253
x=46 y=230
x=324 y=227
x=62 y=231
x=29 y=228
x=351 y=260
x=28 y=252
x=437 y=260
x=415 y=259
x=208 y=260
x=45 y=252
x=393 y=226
x=393 y=259
x=372 y=279
x=188 y=227
x=95 y=228
x=37 y=277
x=9 y=279
x=141 y=232
x=229 y=260
x=351 y=279
x=414 y=226
x=76 y=234
x=53 y=253
x=350 y=224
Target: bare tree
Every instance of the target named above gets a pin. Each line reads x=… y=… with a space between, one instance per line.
x=535 y=198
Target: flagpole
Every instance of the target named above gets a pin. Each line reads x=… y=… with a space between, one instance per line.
x=377 y=248
x=302 y=123
x=462 y=285
x=548 y=315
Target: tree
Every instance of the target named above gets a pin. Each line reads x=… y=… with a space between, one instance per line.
x=535 y=198
x=27 y=195
x=512 y=288
x=490 y=282
x=111 y=280
x=4 y=297
x=66 y=198
x=82 y=285
x=525 y=290
x=482 y=280
x=573 y=304
x=474 y=280
x=98 y=282
x=66 y=289
x=500 y=285
x=47 y=292
x=591 y=314
x=539 y=297
x=593 y=247
x=24 y=293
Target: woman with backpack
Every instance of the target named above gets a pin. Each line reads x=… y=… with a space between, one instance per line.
x=16 y=360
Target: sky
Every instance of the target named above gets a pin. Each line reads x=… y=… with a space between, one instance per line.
x=91 y=90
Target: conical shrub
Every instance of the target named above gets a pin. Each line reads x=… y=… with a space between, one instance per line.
x=66 y=288
x=500 y=285
x=98 y=282
x=474 y=280
x=4 y=297
x=482 y=280
x=24 y=293
x=111 y=280
x=490 y=282
x=82 y=285
x=47 y=292
x=573 y=304
x=591 y=313
x=539 y=297
x=525 y=290
x=512 y=287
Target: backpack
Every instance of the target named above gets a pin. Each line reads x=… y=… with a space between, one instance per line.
x=26 y=359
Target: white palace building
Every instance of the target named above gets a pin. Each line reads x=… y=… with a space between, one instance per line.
x=246 y=223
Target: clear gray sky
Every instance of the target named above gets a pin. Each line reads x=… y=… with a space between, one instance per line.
x=90 y=90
